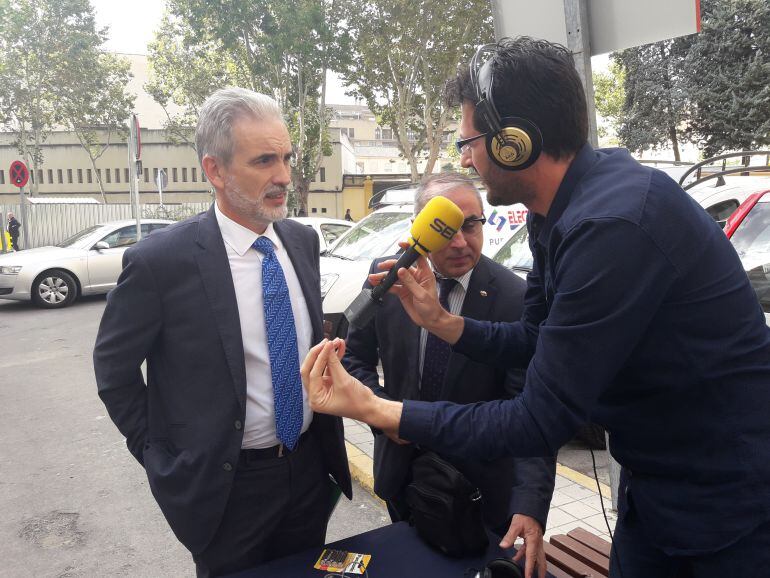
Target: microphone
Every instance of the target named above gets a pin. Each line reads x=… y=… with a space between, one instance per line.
x=431 y=230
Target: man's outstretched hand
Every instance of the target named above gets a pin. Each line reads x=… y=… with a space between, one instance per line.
x=416 y=288
x=332 y=390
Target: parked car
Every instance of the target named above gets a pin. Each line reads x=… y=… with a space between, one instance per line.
x=87 y=263
x=328 y=230
x=748 y=229
x=345 y=266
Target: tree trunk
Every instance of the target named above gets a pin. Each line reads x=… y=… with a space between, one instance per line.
x=674 y=142
x=302 y=188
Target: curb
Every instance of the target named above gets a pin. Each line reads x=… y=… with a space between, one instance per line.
x=362 y=470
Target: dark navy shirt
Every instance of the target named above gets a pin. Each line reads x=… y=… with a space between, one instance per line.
x=640 y=317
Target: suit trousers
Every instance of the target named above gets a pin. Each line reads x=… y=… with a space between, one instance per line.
x=277 y=506
x=634 y=557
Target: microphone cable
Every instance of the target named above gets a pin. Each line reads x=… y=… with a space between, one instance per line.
x=604 y=511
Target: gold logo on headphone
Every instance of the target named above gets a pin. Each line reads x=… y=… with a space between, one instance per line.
x=512 y=146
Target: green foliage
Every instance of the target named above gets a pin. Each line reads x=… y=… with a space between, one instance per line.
x=277 y=47
x=709 y=88
x=655 y=105
x=404 y=52
x=729 y=76
x=53 y=74
x=609 y=94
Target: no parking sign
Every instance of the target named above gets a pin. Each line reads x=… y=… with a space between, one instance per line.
x=19 y=174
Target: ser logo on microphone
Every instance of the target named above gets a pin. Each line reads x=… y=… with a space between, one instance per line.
x=442 y=228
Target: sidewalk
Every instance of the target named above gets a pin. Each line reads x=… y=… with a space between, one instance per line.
x=575 y=501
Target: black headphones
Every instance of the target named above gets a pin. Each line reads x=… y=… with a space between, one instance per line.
x=500 y=568
x=513 y=143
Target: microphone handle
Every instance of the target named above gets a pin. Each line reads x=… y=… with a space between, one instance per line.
x=407 y=258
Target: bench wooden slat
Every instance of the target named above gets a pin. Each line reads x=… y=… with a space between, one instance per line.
x=557 y=572
x=592 y=541
x=570 y=564
x=582 y=552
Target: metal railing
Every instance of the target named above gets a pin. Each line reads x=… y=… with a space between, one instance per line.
x=51 y=224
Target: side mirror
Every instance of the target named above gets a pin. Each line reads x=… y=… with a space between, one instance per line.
x=101 y=245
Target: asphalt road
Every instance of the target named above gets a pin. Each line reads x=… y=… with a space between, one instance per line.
x=74 y=501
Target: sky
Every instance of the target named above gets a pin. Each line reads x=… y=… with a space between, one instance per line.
x=132 y=26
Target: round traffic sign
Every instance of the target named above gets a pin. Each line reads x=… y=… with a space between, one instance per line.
x=19 y=174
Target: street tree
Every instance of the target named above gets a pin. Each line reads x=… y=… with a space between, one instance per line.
x=728 y=80
x=609 y=95
x=278 y=47
x=96 y=107
x=54 y=75
x=404 y=52
x=655 y=110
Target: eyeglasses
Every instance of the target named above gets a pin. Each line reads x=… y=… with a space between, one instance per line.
x=472 y=224
x=462 y=144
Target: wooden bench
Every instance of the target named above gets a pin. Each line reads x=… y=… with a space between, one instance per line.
x=578 y=554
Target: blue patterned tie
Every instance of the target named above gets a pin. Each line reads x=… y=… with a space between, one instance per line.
x=437 y=351
x=282 y=343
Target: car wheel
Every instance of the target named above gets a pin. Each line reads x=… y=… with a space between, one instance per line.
x=53 y=289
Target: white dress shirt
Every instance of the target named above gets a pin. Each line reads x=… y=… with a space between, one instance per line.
x=246 y=268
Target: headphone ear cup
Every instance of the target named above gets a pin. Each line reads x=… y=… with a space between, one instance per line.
x=517 y=145
x=502 y=568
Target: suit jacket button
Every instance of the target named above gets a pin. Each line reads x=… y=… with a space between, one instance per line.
x=238 y=424
x=227 y=466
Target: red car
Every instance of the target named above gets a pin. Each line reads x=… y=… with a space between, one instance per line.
x=748 y=228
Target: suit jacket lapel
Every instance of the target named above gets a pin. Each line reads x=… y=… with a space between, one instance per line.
x=304 y=267
x=214 y=268
x=410 y=333
x=476 y=305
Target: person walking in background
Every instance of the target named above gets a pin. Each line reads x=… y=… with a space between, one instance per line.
x=222 y=307
x=13 y=230
x=348 y=216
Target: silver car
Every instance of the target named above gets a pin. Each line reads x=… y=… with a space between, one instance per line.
x=87 y=263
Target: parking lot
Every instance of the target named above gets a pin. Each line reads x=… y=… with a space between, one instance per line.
x=74 y=501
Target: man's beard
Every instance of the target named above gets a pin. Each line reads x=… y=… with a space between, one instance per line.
x=255 y=211
x=507 y=188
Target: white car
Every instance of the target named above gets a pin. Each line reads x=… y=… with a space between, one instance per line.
x=720 y=197
x=345 y=266
x=328 y=230
x=87 y=263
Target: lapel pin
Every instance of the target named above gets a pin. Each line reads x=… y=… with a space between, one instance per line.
x=483 y=293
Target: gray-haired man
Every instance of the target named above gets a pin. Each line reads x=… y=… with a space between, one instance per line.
x=222 y=307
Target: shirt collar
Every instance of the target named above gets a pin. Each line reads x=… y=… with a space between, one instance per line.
x=583 y=161
x=463 y=280
x=239 y=238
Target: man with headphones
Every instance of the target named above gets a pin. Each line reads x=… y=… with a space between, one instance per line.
x=638 y=316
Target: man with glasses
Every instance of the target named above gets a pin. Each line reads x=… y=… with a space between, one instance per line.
x=416 y=365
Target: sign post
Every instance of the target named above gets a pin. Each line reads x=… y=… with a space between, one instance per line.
x=134 y=166
x=161 y=180
x=19 y=176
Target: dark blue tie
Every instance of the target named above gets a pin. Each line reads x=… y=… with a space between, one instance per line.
x=282 y=343
x=437 y=352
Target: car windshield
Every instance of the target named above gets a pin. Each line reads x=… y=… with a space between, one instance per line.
x=515 y=254
x=78 y=236
x=752 y=242
x=373 y=237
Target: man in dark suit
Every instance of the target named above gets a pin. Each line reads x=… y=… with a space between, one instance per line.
x=222 y=307
x=516 y=492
